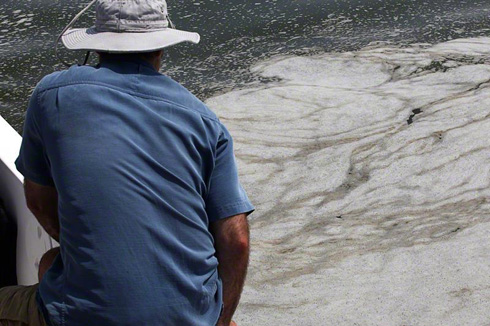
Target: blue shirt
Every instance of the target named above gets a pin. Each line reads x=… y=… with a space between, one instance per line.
x=141 y=167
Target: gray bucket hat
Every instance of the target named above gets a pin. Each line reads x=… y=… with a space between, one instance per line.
x=124 y=26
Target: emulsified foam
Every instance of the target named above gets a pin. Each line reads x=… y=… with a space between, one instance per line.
x=370 y=172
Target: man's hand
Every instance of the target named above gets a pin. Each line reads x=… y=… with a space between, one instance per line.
x=42 y=201
x=231 y=237
x=232 y=323
x=46 y=261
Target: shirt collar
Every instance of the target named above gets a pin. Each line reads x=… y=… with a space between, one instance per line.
x=128 y=65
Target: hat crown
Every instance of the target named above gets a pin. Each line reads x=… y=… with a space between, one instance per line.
x=131 y=15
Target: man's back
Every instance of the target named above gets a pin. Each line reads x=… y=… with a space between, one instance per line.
x=141 y=168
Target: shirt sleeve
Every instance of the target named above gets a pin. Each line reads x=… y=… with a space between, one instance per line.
x=226 y=196
x=33 y=162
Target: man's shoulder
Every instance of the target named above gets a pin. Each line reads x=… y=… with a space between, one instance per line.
x=168 y=90
x=63 y=78
x=157 y=87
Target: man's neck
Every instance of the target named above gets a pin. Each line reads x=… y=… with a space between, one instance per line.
x=154 y=58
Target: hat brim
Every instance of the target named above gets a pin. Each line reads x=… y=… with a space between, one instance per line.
x=91 y=40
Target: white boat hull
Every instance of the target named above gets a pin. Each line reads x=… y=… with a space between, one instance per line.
x=32 y=240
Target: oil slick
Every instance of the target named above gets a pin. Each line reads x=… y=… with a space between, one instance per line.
x=363 y=218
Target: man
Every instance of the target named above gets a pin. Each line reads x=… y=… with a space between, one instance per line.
x=136 y=179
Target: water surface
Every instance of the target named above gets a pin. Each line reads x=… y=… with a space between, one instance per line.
x=369 y=166
x=235 y=34
x=369 y=170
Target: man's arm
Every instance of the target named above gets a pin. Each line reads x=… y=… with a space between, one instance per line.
x=232 y=237
x=42 y=201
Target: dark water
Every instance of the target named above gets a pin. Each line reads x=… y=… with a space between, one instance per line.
x=234 y=35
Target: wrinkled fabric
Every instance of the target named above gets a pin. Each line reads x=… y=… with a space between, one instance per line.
x=142 y=167
x=18 y=306
x=130 y=15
